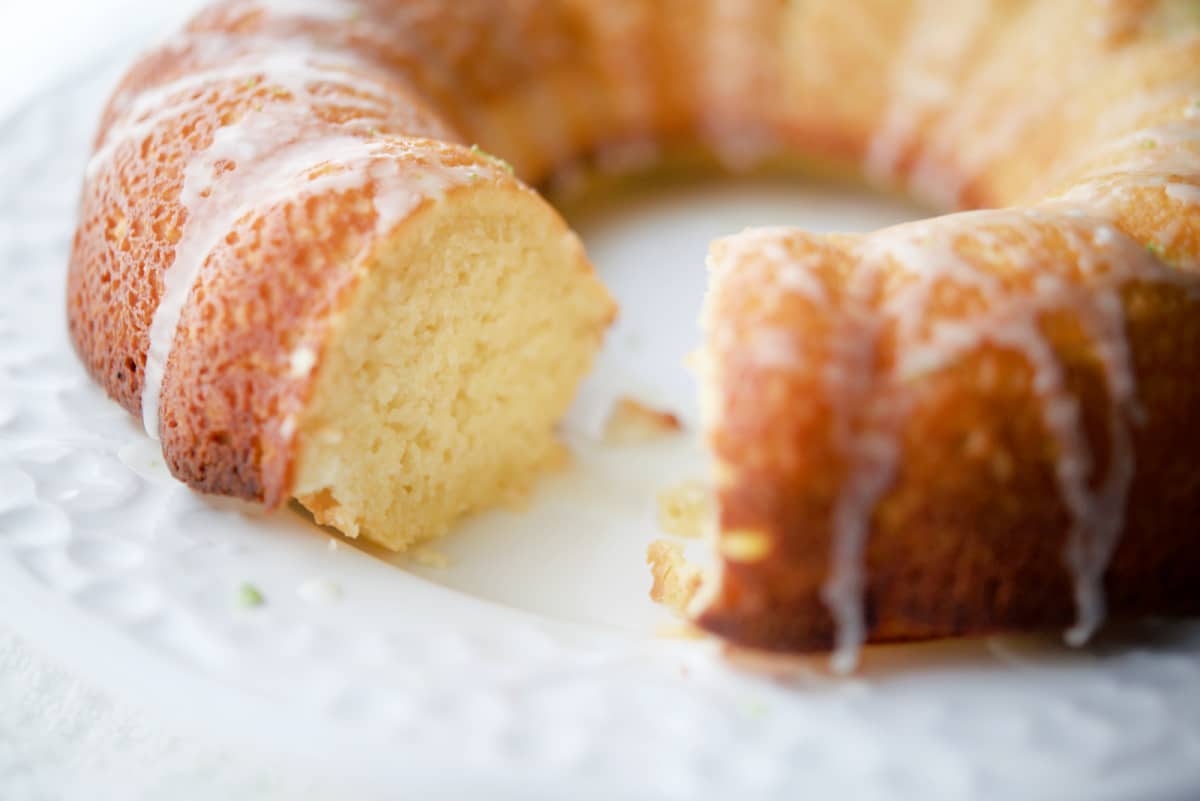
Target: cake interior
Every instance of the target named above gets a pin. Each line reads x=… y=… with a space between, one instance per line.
x=462 y=348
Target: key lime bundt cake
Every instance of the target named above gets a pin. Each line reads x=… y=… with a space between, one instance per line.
x=299 y=264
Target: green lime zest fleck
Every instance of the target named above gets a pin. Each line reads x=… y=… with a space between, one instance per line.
x=479 y=151
x=1147 y=144
x=1154 y=249
x=373 y=131
x=249 y=596
x=251 y=82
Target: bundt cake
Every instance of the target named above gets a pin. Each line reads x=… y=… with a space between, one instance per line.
x=299 y=264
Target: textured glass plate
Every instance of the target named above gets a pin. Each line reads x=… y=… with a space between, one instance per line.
x=528 y=667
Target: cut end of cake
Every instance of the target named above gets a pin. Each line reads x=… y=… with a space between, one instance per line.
x=461 y=350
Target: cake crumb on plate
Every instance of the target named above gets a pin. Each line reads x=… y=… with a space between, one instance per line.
x=684 y=509
x=631 y=422
x=676 y=580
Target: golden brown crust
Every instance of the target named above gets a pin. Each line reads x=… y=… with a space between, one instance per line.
x=970 y=537
x=967 y=546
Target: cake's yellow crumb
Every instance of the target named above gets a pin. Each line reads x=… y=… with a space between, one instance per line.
x=676 y=581
x=459 y=353
x=684 y=509
x=632 y=422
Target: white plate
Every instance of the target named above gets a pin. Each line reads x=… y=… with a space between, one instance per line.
x=528 y=668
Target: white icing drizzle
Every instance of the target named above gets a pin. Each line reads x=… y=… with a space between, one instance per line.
x=262 y=179
x=1111 y=197
x=202 y=47
x=275 y=154
x=762 y=248
x=926 y=251
x=872 y=453
x=773 y=348
x=1115 y=121
x=797 y=277
x=1162 y=157
x=959 y=139
x=937 y=42
x=1089 y=290
x=869 y=443
x=1117 y=118
x=1170 y=148
x=289 y=72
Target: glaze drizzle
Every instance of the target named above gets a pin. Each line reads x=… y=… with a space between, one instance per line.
x=1106 y=261
x=270 y=156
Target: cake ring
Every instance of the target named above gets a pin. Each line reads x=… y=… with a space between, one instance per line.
x=298 y=262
